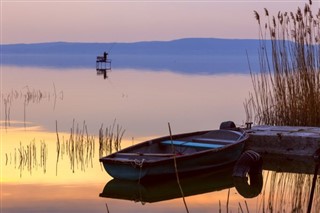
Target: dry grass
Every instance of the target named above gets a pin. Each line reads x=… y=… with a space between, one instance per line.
x=287 y=89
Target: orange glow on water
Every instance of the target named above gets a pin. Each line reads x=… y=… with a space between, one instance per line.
x=21 y=167
x=30 y=156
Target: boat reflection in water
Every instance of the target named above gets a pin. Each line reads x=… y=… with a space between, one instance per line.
x=156 y=190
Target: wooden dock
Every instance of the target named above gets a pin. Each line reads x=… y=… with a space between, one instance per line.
x=284 y=140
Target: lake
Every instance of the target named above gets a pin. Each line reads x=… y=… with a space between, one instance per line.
x=51 y=117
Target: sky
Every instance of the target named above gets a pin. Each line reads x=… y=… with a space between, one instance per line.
x=35 y=21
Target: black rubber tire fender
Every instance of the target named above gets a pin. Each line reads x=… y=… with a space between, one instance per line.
x=248 y=165
x=250 y=162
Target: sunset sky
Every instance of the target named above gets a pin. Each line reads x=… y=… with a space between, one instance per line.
x=26 y=21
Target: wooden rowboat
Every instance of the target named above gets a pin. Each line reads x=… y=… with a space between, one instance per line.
x=182 y=153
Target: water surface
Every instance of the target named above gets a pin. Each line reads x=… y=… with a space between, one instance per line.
x=49 y=139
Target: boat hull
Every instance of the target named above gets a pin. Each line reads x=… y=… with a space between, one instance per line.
x=142 y=167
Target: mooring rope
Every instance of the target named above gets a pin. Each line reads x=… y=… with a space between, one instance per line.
x=140 y=164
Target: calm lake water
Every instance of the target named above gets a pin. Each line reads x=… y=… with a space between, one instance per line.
x=50 y=121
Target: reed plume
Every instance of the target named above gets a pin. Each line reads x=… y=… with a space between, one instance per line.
x=287 y=88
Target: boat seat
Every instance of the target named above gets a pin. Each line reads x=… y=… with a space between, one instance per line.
x=192 y=144
x=215 y=141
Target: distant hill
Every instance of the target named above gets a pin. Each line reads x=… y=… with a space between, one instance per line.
x=187 y=46
x=191 y=55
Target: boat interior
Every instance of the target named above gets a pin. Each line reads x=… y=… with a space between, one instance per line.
x=156 y=150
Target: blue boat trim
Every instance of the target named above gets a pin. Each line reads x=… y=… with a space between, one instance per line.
x=212 y=140
x=192 y=144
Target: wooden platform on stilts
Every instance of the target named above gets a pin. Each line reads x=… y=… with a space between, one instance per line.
x=103 y=64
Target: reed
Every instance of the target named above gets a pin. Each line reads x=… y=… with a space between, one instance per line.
x=79 y=148
x=287 y=88
x=58 y=148
x=240 y=208
x=247 y=208
x=6 y=159
x=29 y=96
x=43 y=156
x=176 y=171
x=289 y=192
x=7 y=101
x=107 y=208
x=110 y=138
x=227 y=205
x=28 y=157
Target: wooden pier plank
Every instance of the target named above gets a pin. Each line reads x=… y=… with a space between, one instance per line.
x=288 y=140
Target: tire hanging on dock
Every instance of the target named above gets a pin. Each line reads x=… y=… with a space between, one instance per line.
x=249 y=166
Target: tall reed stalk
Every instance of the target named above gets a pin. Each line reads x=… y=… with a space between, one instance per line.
x=110 y=138
x=289 y=192
x=80 y=148
x=29 y=96
x=287 y=89
x=28 y=157
x=176 y=170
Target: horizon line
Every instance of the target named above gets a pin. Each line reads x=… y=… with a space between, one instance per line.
x=126 y=42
